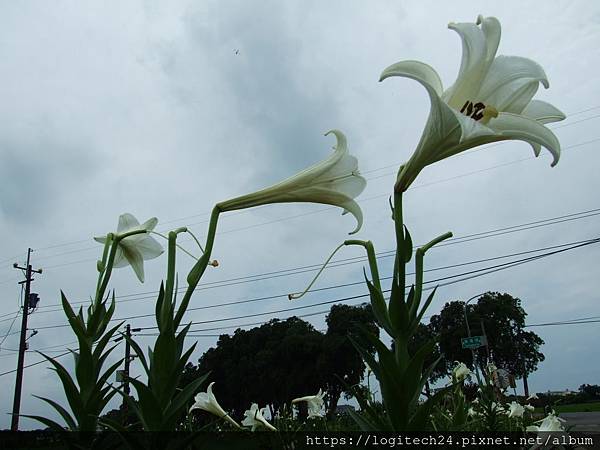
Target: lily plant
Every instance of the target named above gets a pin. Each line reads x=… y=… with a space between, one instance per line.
x=89 y=391
x=491 y=100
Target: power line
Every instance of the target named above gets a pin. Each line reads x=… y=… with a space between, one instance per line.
x=342 y=262
x=35 y=363
x=466 y=276
x=313 y=212
x=9 y=328
x=451 y=266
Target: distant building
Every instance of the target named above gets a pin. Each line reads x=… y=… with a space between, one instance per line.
x=560 y=393
x=344 y=409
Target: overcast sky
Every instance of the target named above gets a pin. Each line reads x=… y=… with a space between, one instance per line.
x=164 y=108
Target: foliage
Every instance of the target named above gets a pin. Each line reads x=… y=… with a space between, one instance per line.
x=88 y=393
x=503 y=318
x=161 y=405
x=250 y=364
x=401 y=371
x=339 y=364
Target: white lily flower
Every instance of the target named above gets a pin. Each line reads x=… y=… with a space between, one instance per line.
x=133 y=250
x=491 y=100
x=207 y=402
x=334 y=181
x=550 y=423
x=460 y=372
x=254 y=418
x=529 y=408
x=532 y=397
x=314 y=402
x=515 y=410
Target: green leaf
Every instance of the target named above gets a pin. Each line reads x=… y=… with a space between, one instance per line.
x=106 y=316
x=69 y=387
x=149 y=406
x=426 y=305
x=48 y=422
x=412 y=376
x=408 y=245
x=399 y=313
x=62 y=411
x=101 y=344
x=419 y=420
x=379 y=307
x=367 y=357
x=138 y=351
x=135 y=408
x=180 y=401
x=179 y=367
x=77 y=325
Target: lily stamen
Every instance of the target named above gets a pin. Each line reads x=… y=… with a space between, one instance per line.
x=297 y=295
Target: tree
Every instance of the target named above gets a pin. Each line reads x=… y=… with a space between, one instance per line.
x=502 y=318
x=269 y=365
x=340 y=364
x=285 y=359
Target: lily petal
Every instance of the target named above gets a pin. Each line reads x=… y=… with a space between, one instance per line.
x=492 y=31
x=149 y=247
x=543 y=112
x=417 y=70
x=127 y=222
x=513 y=126
x=473 y=64
x=511 y=83
x=135 y=259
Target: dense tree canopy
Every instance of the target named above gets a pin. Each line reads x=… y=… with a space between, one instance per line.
x=502 y=318
x=284 y=359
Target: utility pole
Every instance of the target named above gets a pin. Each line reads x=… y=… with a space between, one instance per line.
x=124 y=374
x=14 y=426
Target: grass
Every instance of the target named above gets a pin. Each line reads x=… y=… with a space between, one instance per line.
x=574 y=407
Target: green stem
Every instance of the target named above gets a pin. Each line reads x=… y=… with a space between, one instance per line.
x=301 y=294
x=178 y=246
x=399 y=227
x=107 y=243
x=196 y=239
x=400 y=347
x=368 y=246
x=171 y=254
x=198 y=270
x=111 y=260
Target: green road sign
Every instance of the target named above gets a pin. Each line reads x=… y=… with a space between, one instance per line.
x=473 y=342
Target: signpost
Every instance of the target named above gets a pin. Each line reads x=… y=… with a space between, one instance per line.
x=474 y=342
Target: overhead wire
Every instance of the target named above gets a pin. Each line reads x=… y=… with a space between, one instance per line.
x=370 y=171
x=340 y=262
x=466 y=276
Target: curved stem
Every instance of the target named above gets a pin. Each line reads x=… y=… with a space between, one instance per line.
x=297 y=295
x=195 y=239
x=111 y=260
x=198 y=270
x=368 y=246
x=107 y=243
x=178 y=246
x=399 y=227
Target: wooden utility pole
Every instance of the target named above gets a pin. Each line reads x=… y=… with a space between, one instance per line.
x=14 y=426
